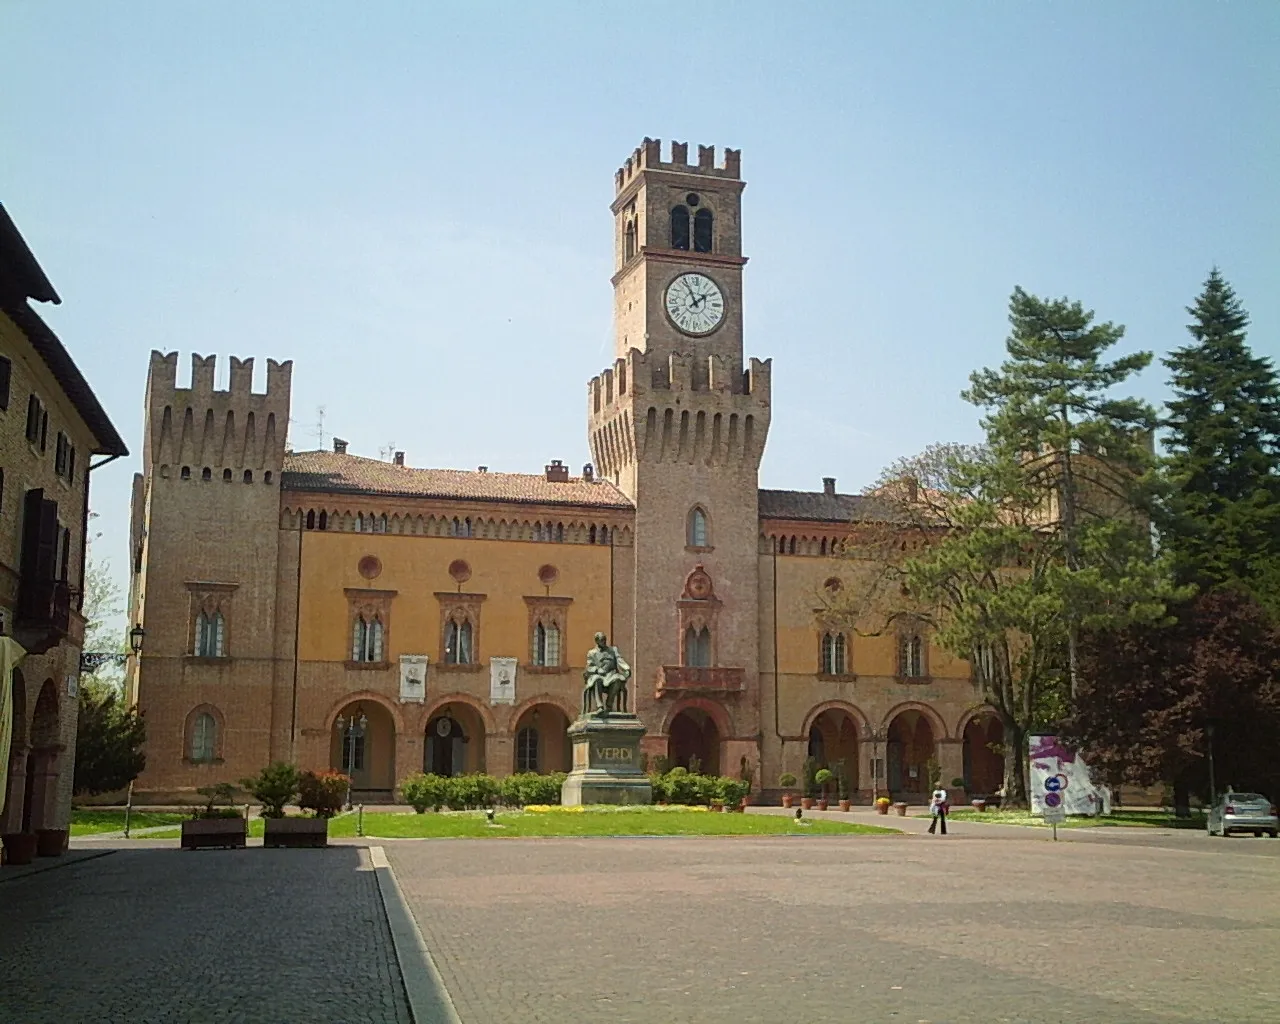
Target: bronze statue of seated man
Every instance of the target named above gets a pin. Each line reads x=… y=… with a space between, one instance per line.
x=604 y=679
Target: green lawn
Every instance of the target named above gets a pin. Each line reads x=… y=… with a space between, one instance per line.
x=631 y=821
x=1120 y=817
x=89 y=821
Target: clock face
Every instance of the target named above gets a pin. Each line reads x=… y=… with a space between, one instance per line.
x=695 y=303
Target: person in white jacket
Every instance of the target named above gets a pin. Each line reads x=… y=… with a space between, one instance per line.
x=938 y=808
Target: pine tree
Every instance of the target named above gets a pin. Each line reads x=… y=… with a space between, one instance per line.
x=1221 y=517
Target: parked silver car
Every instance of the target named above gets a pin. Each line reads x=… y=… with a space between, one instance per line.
x=1242 y=812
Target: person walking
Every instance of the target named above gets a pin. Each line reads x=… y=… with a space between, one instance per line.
x=938 y=808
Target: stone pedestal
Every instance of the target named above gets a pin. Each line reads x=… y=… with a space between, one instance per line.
x=606 y=762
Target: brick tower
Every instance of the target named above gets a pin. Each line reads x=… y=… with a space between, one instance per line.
x=679 y=424
x=205 y=535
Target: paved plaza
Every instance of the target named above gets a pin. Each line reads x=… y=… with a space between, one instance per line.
x=989 y=924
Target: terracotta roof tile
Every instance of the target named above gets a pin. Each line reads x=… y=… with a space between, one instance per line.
x=354 y=474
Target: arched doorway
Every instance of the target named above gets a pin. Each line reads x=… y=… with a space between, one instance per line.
x=41 y=783
x=833 y=737
x=908 y=749
x=368 y=755
x=694 y=741
x=454 y=741
x=983 y=765
x=542 y=741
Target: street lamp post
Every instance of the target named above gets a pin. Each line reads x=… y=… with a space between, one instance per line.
x=349 y=731
x=876 y=737
x=1213 y=793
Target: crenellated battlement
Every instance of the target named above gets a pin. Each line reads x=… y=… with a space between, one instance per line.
x=201 y=427
x=640 y=373
x=648 y=155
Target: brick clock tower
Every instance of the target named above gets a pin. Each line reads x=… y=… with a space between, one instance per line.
x=679 y=424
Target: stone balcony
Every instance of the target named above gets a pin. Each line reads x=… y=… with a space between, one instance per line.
x=678 y=679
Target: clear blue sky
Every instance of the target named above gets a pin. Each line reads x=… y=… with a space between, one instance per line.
x=410 y=200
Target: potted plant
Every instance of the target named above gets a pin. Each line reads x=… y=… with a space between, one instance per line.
x=732 y=792
x=19 y=847
x=212 y=826
x=810 y=782
x=275 y=787
x=882 y=805
x=322 y=793
x=51 y=842
x=901 y=808
x=823 y=777
x=787 y=781
x=842 y=783
x=978 y=804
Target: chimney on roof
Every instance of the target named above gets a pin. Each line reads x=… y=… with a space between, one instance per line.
x=589 y=473
x=828 y=485
x=557 y=472
x=339 y=446
x=482 y=469
x=397 y=459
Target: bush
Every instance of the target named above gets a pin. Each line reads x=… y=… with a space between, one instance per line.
x=708 y=789
x=957 y=784
x=786 y=780
x=322 y=793
x=661 y=791
x=222 y=792
x=475 y=789
x=421 y=791
x=525 y=788
x=273 y=787
x=682 y=787
x=810 y=777
x=731 y=791
x=823 y=777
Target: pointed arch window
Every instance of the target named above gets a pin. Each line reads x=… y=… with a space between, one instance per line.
x=629 y=240
x=211 y=631
x=680 y=228
x=702 y=233
x=204 y=738
x=311 y=519
x=697 y=647
x=698 y=532
x=834 y=654
x=546 y=644
x=911 y=656
x=458 y=643
x=527 y=749
x=367 y=636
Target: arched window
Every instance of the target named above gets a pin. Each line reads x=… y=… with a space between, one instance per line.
x=266 y=477
x=697 y=532
x=537 y=531
x=591 y=535
x=834 y=661
x=697 y=647
x=527 y=749
x=204 y=737
x=186 y=473
x=324 y=519
x=210 y=635
x=559 y=533
x=702 y=231
x=546 y=644
x=911 y=656
x=226 y=476
x=311 y=519
x=629 y=240
x=366 y=640
x=248 y=476
x=457 y=645
x=791 y=547
x=680 y=228
x=604 y=535
x=206 y=474
x=380 y=524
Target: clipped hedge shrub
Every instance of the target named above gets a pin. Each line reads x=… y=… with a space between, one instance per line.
x=421 y=792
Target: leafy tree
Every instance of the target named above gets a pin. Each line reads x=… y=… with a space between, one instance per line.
x=1149 y=691
x=109 y=739
x=1221 y=514
x=1050 y=406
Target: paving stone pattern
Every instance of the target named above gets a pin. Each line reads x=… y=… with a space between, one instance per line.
x=146 y=935
x=911 y=928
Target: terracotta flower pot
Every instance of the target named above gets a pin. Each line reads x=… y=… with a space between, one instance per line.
x=979 y=805
x=844 y=805
x=822 y=805
x=882 y=808
x=901 y=809
x=806 y=803
x=788 y=800
x=51 y=842
x=19 y=847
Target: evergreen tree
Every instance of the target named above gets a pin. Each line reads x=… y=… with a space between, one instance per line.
x=109 y=740
x=1221 y=516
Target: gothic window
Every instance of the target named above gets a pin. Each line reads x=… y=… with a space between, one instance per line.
x=311 y=519
x=984 y=663
x=911 y=656
x=211 y=631
x=591 y=535
x=527 y=749
x=367 y=639
x=546 y=644
x=680 y=228
x=702 y=231
x=834 y=654
x=697 y=531
x=324 y=519
x=457 y=643
x=697 y=647
x=629 y=240
x=204 y=736
x=380 y=524
x=604 y=535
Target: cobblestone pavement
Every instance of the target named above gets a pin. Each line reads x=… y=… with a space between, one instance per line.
x=910 y=928
x=158 y=935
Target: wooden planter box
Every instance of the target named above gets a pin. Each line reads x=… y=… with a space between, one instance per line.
x=51 y=842
x=214 y=833
x=307 y=833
